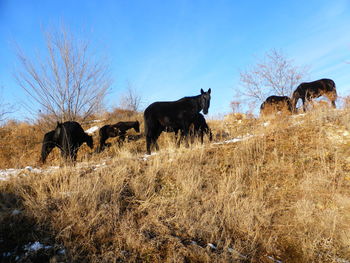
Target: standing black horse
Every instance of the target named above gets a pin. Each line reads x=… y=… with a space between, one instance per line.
x=276 y=103
x=311 y=90
x=174 y=114
x=114 y=130
x=68 y=136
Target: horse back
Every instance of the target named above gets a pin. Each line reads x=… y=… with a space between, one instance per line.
x=71 y=132
x=317 y=87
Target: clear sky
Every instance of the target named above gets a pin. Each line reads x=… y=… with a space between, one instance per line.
x=172 y=49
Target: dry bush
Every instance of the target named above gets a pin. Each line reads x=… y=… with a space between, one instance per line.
x=282 y=193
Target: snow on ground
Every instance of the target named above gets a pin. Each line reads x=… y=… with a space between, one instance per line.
x=36 y=246
x=92 y=130
x=237 y=139
x=146 y=156
x=6 y=174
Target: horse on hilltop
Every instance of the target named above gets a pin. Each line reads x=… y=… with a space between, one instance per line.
x=275 y=104
x=311 y=90
x=177 y=115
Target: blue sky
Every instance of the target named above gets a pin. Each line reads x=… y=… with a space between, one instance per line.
x=171 y=49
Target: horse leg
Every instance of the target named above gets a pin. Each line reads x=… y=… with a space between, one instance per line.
x=160 y=129
x=185 y=135
x=180 y=139
x=74 y=153
x=304 y=104
x=333 y=104
x=148 y=144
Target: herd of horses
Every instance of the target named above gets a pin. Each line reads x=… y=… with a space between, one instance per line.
x=306 y=91
x=182 y=116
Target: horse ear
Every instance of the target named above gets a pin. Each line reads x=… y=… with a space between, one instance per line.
x=202 y=91
x=209 y=90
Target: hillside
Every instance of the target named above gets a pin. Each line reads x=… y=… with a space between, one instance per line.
x=265 y=190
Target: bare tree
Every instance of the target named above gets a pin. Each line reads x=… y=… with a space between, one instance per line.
x=131 y=99
x=69 y=82
x=273 y=75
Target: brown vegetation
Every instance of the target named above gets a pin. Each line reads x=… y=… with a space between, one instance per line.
x=283 y=193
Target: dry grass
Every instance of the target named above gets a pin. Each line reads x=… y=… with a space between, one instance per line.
x=283 y=193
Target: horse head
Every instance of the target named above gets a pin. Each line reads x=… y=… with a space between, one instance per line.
x=205 y=100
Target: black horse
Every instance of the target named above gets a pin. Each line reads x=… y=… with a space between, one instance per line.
x=311 y=90
x=174 y=114
x=276 y=103
x=68 y=136
x=114 y=130
x=200 y=127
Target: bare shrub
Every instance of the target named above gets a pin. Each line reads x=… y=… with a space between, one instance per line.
x=131 y=99
x=68 y=82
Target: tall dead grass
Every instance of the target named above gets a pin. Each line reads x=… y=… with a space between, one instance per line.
x=283 y=193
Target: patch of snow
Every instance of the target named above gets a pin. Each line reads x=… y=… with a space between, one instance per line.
x=146 y=156
x=234 y=140
x=99 y=165
x=212 y=246
x=274 y=260
x=5 y=174
x=231 y=250
x=36 y=246
x=33 y=170
x=92 y=130
x=61 y=251
x=16 y=212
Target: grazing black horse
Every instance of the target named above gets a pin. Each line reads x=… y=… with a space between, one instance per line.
x=276 y=103
x=114 y=130
x=68 y=136
x=177 y=115
x=197 y=128
x=200 y=127
x=311 y=90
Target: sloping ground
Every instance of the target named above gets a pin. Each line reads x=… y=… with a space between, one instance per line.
x=280 y=193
